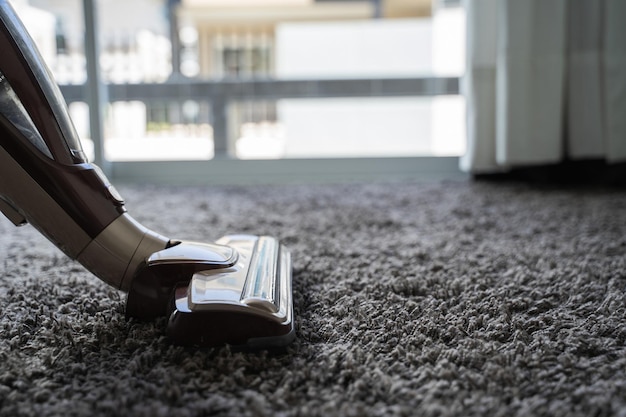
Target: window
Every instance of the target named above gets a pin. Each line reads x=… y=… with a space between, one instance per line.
x=305 y=80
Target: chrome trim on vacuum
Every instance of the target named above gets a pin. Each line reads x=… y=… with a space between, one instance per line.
x=257 y=283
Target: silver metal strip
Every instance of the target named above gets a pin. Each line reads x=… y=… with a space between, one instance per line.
x=261 y=287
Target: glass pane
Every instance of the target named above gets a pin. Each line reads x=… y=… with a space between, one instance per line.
x=12 y=109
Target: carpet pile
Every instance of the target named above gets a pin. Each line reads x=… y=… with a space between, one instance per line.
x=431 y=299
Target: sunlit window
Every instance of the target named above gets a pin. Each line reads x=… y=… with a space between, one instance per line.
x=221 y=43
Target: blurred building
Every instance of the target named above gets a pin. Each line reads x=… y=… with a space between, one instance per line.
x=306 y=39
x=237 y=38
x=212 y=38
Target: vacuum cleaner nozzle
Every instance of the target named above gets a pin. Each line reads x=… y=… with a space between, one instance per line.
x=235 y=291
x=247 y=301
x=239 y=292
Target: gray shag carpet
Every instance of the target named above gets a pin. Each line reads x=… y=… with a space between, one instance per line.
x=430 y=299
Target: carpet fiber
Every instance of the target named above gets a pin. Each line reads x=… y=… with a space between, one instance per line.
x=429 y=299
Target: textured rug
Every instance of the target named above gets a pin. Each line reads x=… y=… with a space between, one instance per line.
x=430 y=299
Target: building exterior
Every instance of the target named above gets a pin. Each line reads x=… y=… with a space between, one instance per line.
x=222 y=38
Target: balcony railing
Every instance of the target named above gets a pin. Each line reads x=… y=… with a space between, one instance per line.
x=221 y=94
x=225 y=168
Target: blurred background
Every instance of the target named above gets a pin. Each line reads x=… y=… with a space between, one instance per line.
x=251 y=79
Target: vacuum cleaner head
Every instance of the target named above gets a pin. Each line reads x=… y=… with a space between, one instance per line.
x=235 y=291
x=248 y=301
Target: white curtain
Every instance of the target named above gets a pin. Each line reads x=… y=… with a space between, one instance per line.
x=545 y=81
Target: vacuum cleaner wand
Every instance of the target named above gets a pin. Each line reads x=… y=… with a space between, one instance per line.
x=235 y=291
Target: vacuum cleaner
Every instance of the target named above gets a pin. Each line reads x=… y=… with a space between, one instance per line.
x=235 y=291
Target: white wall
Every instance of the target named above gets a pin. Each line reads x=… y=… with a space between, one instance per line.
x=346 y=127
x=371 y=48
x=362 y=49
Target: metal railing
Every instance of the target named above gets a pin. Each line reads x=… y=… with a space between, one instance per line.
x=222 y=93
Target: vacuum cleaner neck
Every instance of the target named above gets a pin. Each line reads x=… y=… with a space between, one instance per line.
x=45 y=178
